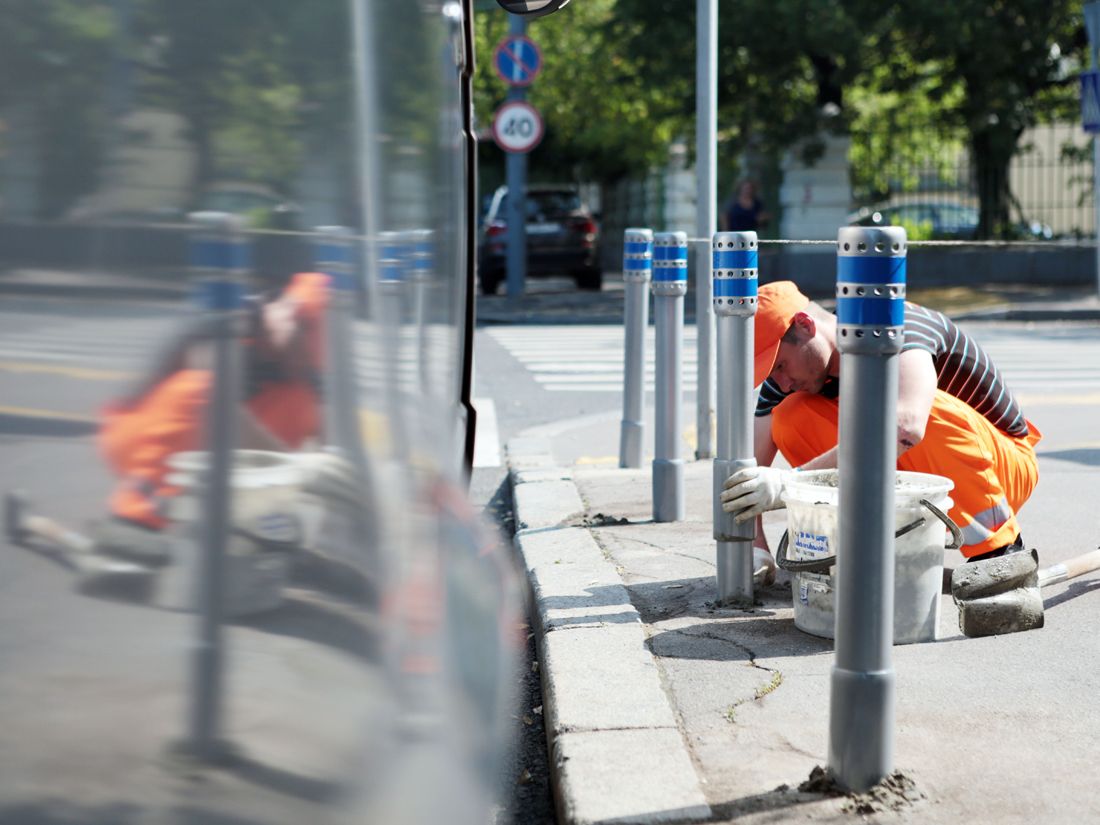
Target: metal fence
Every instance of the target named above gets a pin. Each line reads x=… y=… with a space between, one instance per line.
x=1050 y=185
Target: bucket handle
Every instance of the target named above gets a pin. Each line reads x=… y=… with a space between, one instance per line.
x=823 y=565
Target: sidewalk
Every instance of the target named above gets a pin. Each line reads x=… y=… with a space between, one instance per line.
x=557 y=301
x=662 y=707
x=167 y=286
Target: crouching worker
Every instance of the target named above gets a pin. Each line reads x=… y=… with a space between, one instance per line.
x=956 y=418
x=165 y=413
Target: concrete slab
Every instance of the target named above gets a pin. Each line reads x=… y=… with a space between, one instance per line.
x=633 y=777
x=546 y=504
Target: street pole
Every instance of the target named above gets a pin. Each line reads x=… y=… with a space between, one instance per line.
x=637 y=269
x=1092 y=28
x=366 y=128
x=669 y=288
x=334 y=255
x=734 y=264
x=220 y=257
x=870 y=312
x=706 y=163
x=516 y=170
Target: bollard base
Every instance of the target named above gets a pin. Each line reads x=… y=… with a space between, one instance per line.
x=631 y=436
x=735 y=585
x=861 y=727
x=725 y=528
x=668 y=489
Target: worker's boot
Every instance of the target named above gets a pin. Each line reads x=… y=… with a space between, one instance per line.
x=134 y=542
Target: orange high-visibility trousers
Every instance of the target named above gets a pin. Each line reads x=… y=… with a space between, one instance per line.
x=994 y=473
x=171 y=419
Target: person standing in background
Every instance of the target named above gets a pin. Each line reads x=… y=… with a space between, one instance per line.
x=745 y=212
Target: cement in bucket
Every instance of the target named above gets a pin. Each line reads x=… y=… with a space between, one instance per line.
x=812 y=515
x=265 y=487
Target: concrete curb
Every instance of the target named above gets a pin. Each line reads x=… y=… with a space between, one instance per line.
x=616 y=755
x=1027 y=314
x=102 y=293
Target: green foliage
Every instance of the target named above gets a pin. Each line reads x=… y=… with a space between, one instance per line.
x=54 y=58
x=604 y=119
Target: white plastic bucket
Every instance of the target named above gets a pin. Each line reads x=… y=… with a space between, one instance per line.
x=265 y=488
x=812 y=534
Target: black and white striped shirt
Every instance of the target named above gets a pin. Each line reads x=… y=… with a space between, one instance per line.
x=963 y=369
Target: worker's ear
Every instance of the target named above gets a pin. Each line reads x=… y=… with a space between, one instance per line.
x=805 y=324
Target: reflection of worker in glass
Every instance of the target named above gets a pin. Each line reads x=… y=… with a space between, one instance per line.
x=166 y=412
x=744 y=212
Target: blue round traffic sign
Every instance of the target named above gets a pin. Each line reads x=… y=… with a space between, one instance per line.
x=517 y=60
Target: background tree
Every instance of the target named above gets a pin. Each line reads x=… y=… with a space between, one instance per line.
x=999 y=68
x=55 y=59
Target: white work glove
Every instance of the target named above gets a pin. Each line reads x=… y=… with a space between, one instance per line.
x=753 y=490
x=763 y=567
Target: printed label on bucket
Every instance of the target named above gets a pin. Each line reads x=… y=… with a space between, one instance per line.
x=804 y=593
x=810 y=545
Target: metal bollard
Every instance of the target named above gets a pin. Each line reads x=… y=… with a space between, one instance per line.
x=221 y=258
x=870 y=293
x=734 y=263
x=637 y=269
x=421 y=245
x=334 y=255
x=669 y=288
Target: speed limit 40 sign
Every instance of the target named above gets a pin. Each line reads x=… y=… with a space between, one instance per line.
x=517 y=127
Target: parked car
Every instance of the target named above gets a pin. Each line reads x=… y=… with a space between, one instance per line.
x=261 y=206
x=562 y=238
x=943 y=220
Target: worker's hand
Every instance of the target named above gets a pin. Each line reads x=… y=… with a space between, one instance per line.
x=763 y=566
x=752 y=491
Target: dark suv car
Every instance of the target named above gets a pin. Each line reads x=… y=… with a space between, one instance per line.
x=562 y=238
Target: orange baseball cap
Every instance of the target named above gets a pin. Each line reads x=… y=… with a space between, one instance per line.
x=777 y=304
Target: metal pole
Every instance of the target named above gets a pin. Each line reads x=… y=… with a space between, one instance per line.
x=366 y=146
x=334 y=255
x=421 y=269
x=870 y=322
x=516 y=170
x=393 y=294
x=706 y=149
x=637 y=268
x=1096 y=195
x=1091 y=13
x=669 y=288
x=219 y=252
x=734 y=264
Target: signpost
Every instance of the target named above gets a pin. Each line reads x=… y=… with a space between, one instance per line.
x=517 y=129
x=1090 y=113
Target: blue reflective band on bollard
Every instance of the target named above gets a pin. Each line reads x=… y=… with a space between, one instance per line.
x=735 y=287
x=336 y=253
x=734 y=259
x=670 y=253
x=637 y=264
x=391 y=271
x=870 y=270
x=670 y=273
x=219 y=295
x=636 y=248
x=889 y=312
x=215 y=253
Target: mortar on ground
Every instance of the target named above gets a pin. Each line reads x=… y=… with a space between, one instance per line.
x=812 y=523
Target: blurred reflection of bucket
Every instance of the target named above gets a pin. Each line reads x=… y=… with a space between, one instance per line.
x=813 y=535
x=263 y=528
